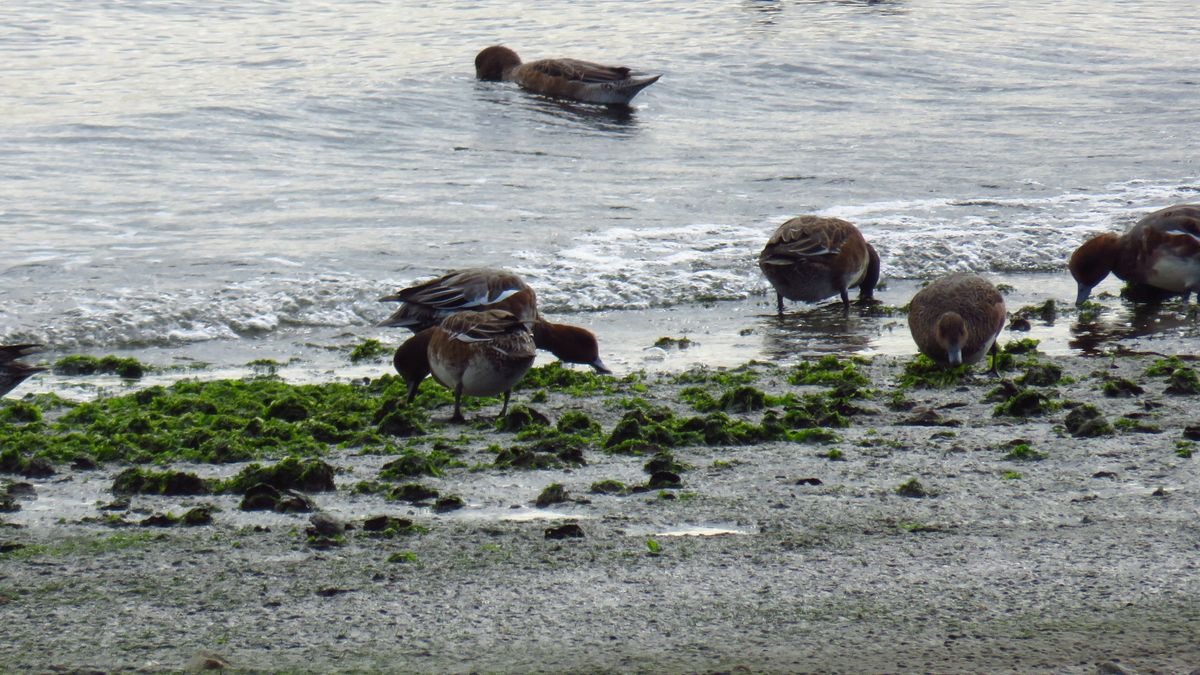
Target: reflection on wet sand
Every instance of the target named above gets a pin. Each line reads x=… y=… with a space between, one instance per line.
x=1101 y=334
x=819 y=330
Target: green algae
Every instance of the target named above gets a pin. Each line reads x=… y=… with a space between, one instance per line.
x=144 y=481
x=369 y=350
x=78 y=365
x=829 y=370
x=215 y=421
x=609 y=487
x=553 y=493
x=673 y=343
x=579 y=423
x=554 y=451
x=664 y=461
x=912 y=488
x=1022 y=452
x=1164 y=367
x=309 y=475
x=1120 y=387
x=578 y=383
x=1086 y=421
x=521 y=417
x=1026 y=403
x=738 y=400
x=725 y=378
x=1047 y=312
x=1183 y=382
x=924 y=373
x=413 y=463
x=1041 y=375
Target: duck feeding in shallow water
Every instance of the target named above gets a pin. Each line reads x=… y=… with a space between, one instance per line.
x=811 y=258
x=562 y=78
x=1160 y=252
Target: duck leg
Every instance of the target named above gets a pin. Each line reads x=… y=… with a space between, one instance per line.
x=845 y=293
x=994 y=353
x=504 y=408
x=458 y=404
x=779 y=301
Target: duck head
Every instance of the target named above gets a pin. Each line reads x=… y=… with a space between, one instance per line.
x=491 y=63
x=569 y=343
x=1093 y=261
x=951 y=335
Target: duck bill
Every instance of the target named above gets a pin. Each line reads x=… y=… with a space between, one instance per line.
x=600 y=367
x=954 y=355
x=1082 y=295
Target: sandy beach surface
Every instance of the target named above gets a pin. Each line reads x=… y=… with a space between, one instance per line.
x=825 y=516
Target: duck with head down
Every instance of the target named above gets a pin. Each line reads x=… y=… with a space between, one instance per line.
x=811 y=258
x=562 y=78
x=956 y=319
x=1159 y=256
x=13 y=372
x=427 y=304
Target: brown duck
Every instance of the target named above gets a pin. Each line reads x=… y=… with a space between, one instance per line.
x=811 y=258
x=956 y=319
x=480 y=354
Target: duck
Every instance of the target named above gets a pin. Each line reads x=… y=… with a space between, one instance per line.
x=13 y=372
x=957 y=319
x=1161 y=251
x=811 y=258
x=562 y=78
x=480 y=354
x=481 y=288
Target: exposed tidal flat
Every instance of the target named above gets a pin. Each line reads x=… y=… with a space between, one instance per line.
x=837 y=512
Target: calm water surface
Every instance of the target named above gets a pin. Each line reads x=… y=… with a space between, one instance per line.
x=183 y=173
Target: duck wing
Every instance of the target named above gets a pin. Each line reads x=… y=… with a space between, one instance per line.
x=804 y=238
x=580 y=71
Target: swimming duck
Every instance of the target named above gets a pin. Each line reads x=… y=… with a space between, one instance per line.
x=1162 y=250
x=425 y=305
x=561 y=78
x=13 y=372
x=811 y=258
x=480 y=354
x=956 y=319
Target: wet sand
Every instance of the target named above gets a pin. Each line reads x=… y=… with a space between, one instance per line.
x=770 y=557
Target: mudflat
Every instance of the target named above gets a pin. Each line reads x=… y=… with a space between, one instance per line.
x=842 y=515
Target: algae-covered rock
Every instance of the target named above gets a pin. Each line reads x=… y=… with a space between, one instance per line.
x=1025 y=403
x=448 y=503
x=1086 y=421
x=912 y=488
x=143 y=481
x=310 y=475
x=265 y=497
x=521 y=417
x=1183 y=382
x=608 y=486
x=412 y=492
x=554 y=493
x=1041 y=375
x=413 y=463
x=567 y=531
x=576 y=422
x=664 y=461
x=664 y=480
x=1120 y=387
